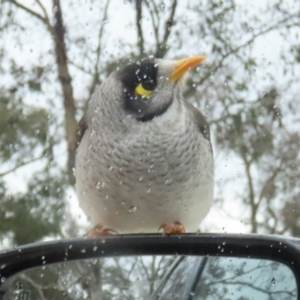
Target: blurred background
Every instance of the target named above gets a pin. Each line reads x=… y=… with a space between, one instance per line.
x=54 y=53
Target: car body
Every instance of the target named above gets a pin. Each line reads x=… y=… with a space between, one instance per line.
x=197 y=261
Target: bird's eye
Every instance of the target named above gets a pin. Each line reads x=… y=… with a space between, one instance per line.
x=148 y=85
x=145 y=88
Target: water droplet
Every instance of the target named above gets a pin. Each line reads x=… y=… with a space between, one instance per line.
x=250 y=29
x=111 y=168
x=168 y=181
x=83 y=250
x=141 y=178
x=100 y=185
x=225 y=82
x=3 y=266
x=273 y=281
x=132 y=209
x=3 y=279
x=162 y=6
x=95 y=248
x=149 y=191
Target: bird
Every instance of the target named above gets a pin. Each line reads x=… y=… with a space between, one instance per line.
x=144 y=160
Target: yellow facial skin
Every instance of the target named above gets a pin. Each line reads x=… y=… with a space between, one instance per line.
x=139 y=90
x=180 y=68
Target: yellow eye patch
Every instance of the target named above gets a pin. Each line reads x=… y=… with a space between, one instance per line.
x=142 y=92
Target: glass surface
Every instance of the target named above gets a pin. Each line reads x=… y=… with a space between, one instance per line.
x=53 y=55
x=155 y=277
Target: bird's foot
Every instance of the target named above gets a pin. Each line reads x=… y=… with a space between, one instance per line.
x=100 y=230
x=172 y=228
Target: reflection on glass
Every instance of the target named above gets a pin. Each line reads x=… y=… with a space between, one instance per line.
x=219 y=278
x=155 y=277
x=100 y=278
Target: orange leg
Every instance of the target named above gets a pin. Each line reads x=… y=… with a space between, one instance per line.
x=171 y=228
x=100 y=230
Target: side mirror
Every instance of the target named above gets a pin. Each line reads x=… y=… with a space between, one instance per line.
x=154 y=266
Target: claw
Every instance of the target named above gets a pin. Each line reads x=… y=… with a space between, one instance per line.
x=172 y=228
x=100 y=230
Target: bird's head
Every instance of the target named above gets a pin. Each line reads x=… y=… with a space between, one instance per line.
x=146 y=89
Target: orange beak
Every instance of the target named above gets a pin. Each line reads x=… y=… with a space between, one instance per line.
x=183 y=65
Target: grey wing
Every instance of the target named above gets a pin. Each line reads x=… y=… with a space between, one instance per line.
x=82 y=127
x=200 y=121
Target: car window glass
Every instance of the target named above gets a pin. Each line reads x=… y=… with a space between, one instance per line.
x=180 y=281
x=245 y=279
x=99 y=278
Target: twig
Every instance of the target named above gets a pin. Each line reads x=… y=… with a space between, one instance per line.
x=20 y=165
x=33 y=13
x=162 y=48
x=154 y=24
x=98 y=52
x=138 y=7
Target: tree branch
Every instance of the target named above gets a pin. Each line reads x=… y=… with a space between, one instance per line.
x=67 y=88
x=98 y=52
x=45 y=12
x=20 y=165
x=154 y=24
x=269 y=181
x=162 y=49
x=236 y=49
x=138 y=7
x=45 y=20
x=253 y=205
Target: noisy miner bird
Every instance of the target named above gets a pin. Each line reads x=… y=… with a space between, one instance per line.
x=144 y=159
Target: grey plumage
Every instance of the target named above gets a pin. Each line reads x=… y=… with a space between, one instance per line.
x=143 y=161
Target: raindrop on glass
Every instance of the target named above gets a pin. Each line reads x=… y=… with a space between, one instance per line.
x=273 y=281
x=132 y=209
